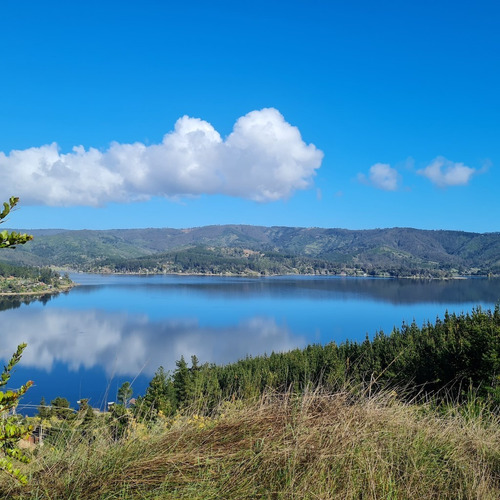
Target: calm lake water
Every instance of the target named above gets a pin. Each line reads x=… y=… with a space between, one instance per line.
x=112 y=329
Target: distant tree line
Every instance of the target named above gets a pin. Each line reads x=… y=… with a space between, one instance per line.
x=205 y=260
x=21 y=279
x=44 y=274
x=238 y=261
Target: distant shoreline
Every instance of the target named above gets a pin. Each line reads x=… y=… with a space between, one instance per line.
x=41 y=293
x=258 y=275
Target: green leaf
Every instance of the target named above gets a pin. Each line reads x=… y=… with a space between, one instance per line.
x=5 y=212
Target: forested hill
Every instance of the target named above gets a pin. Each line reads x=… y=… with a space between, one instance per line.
x=241 y=249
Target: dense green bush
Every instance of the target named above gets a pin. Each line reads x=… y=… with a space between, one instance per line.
x=447 y=359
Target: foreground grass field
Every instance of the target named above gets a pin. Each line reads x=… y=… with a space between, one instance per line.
x=315 y=446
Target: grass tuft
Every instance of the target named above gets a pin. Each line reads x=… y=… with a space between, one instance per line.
x=314 y=446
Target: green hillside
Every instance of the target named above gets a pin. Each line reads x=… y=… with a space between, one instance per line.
x=240 y=249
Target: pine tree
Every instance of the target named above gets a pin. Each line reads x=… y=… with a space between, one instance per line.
x=159 y=397
x=181 y=381
x=60 y=409
x=119 y=421
x=89 y=417
x=125 y=393
x=43 y=409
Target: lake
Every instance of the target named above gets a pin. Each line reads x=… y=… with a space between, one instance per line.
x=111 y=329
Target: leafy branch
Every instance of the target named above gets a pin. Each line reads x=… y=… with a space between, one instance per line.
x=10 y=429
x=8 y=240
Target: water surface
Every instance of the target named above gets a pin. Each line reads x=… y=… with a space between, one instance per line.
x=111 y=329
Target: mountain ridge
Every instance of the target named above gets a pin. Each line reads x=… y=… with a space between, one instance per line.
x=393 y=251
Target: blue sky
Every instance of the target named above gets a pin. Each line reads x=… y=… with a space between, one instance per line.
x=301 y=113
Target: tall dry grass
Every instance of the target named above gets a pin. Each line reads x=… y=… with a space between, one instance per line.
x=316 y=446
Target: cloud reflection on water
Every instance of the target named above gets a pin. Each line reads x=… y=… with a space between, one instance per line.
x=125 y=344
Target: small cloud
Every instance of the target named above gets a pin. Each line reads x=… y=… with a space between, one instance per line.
x=408 y=164
x=487 y=164
x=381 y=176
x=444 y=173
x=319 y=194
x=263 y=159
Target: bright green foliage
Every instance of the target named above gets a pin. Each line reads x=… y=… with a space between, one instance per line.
x=11 y=431
x=8 y=240
x=125 y=393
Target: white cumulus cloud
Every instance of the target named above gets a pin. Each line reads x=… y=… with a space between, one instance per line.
x=263 y=159
x=443 y=172
x=382 y=176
